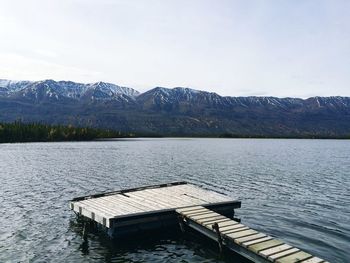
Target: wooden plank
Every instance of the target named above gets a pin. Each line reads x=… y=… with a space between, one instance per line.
x=150 y=205
x=191 y=208
x=198 y=217
x=128 y=206
x=171 y=199
x=94 y=209
x=187 y=195
x=202 y=221
x=256 y=241
x=210 y=223
x=313 y=260
x=96 y=206
x=92 y=202
x=143 y=200
x=108 y=200
x=211 y=196
x=265 y=245
x=235 y=230
x=154 y=199
x=177 y=188
x=184 y=193
x=242 y=233
x=178 y=200
x=283 y=254
x=192 y=196
x=227 y=223
x=186 y=213
x=115 y=206
x=267 y=252
x=131 y=204
x=297 y=257
x=193 y=193
x=182 y=190
x=191 y=199
x=142 y=204
x=161 y=199
x=196 y=213
x=175 y=200
x=231 y=226
x=109 y=207
x=249 y=238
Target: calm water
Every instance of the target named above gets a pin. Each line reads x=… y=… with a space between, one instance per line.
x=297 y=190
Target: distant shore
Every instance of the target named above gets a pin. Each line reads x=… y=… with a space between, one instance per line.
x=18 y=132
x=35 y=132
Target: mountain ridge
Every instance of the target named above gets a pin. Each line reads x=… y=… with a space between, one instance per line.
x=15 y=85
x=177 y=111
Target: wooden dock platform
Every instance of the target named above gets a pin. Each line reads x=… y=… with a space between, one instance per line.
x=126 y=211
x=249 y=243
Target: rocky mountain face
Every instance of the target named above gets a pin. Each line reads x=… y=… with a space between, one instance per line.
x=177 y=111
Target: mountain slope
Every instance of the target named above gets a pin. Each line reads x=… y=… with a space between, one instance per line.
x=41 y=90
x=177 y=111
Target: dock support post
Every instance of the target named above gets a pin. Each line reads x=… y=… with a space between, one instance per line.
x=181 y=223
x=215 y=227
x=84 y=232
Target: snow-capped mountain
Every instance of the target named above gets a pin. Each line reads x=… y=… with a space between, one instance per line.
x=10 y=86
x=56 y=90
x=172 y=99
x=177 y=111
x=163 y=97
x=157 y=98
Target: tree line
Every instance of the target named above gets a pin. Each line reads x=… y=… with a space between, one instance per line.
x=37 y=132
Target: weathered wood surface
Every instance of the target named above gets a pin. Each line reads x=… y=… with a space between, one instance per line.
x=103 y=207
x=243 y=240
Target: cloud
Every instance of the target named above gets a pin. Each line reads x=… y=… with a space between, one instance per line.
x=292 y=48
x=14 y=66
x=46 y=53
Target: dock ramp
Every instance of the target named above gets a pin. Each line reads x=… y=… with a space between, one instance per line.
x=247 y=242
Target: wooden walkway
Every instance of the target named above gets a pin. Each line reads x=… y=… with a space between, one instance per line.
x=245 y=241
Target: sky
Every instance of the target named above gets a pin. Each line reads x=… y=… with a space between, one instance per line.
x=290 y=48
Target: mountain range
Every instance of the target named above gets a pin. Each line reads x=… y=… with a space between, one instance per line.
x=172 y=112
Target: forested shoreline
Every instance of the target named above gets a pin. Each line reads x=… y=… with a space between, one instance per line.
x=37 y=132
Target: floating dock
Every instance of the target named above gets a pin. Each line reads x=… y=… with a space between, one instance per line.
x=128 y=211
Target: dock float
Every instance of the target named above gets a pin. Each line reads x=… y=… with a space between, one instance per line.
x=249 y=243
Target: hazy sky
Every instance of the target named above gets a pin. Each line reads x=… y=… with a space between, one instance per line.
x=296 y=48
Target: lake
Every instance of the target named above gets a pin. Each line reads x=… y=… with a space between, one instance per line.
x=296 y=190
